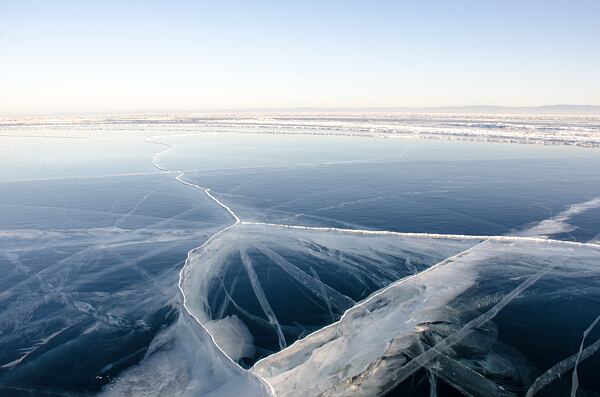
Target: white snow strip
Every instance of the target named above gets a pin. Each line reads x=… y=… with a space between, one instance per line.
x=559 y=223
x=427 y=235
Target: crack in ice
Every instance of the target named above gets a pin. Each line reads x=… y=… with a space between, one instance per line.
x=191 y=252
x=563 y=366
x=426 y=235
x=456 y=337
x=262 y=297
x=317 y=286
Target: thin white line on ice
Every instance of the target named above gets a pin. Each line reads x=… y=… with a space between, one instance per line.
x=187 y=260
x=375 y=295
x=426 y=235
x=332 y=229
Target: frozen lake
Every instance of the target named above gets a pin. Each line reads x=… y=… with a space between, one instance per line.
x=187 y=258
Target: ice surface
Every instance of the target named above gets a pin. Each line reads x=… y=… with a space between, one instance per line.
x=89 y=270
x=567 y=364
x=417 y=186
x=184 y=361
x=34 y=156
x=431 y=320
x=262 y=298
x=559 y=223
x=284 y=263
x=286 y=282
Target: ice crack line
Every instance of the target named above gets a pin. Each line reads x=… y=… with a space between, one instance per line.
x=565 y=365
x=426 y=235
x=180 y=175
x=206 y=190
x=238 y=221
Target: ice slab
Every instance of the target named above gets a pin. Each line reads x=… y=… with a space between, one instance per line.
x=456 y=319
x=281 y=284
x=184 y=361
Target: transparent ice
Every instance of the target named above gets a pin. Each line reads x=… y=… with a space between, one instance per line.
x=208 y=262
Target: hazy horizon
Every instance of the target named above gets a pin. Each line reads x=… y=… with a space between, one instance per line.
x=554 y=109
x=107 y=57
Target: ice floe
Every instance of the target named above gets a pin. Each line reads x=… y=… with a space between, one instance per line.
x=430 y=320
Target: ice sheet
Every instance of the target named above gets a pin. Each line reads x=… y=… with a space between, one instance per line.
x=285 y=282
x=272 y=281
x=89 y=270
x=184 y=361
x=431 y=320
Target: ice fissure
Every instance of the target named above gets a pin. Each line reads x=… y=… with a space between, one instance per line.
x=407 y=305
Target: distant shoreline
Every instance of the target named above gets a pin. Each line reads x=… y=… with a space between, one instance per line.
x=550 y=110
x=581 y=131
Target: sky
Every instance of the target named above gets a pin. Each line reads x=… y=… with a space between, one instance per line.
x=118 y=56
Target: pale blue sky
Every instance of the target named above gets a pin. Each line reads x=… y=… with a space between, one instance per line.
x=98 y=56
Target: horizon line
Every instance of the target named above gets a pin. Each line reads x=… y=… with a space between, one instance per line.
x=549 y=109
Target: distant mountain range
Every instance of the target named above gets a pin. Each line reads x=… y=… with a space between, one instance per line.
x=575 y=110
x=492 y=109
